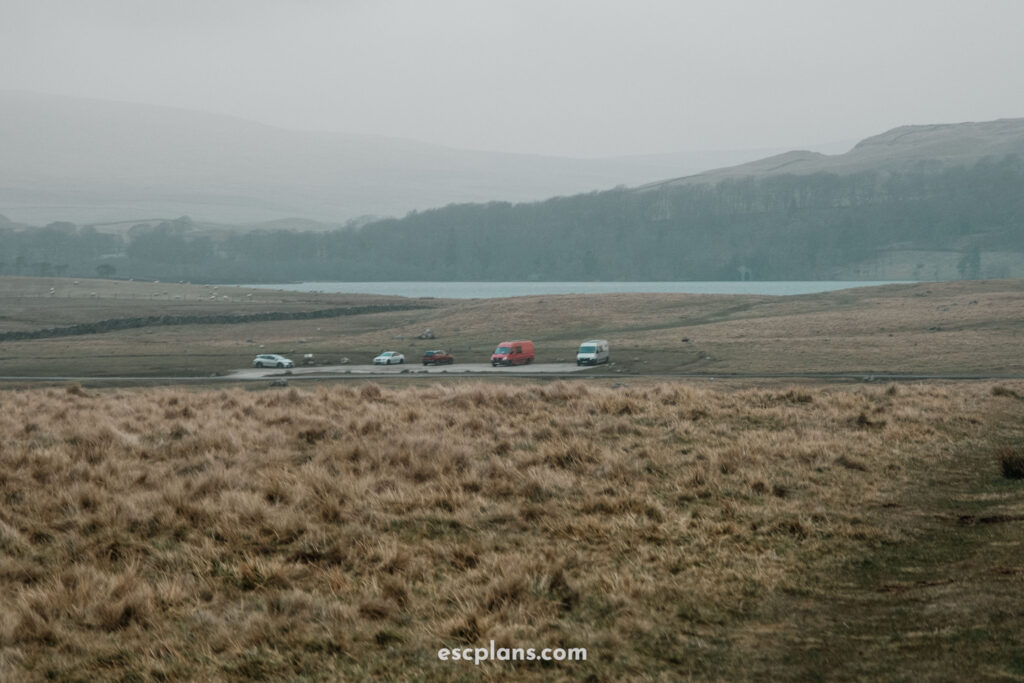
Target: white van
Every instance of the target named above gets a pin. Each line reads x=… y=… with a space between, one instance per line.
x=593 y=352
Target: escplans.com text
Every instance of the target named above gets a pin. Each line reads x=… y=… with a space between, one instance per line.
x=512 y=654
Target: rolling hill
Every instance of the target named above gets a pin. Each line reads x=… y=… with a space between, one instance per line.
x=898 y=150
x=930 y=202
x=915 y=203
x=93 y=161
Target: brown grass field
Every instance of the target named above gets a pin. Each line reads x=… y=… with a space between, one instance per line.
x=741 y=529
x=675 y=530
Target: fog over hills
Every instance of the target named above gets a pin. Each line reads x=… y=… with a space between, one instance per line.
x=916 y=202
x=93 y=161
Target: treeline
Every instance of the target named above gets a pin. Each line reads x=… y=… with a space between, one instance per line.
x=777 y=227
x=58 y=249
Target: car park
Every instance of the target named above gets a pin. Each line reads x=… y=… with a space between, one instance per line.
x=389 y=358
x=272 y=360
x=437 y=357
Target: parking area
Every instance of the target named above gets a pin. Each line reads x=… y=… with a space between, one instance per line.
x=406 y=369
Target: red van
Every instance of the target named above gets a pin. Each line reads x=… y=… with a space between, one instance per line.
x=513 y=353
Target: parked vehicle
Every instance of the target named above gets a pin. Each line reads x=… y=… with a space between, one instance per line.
x=513 y=353
x=593 y=352
x=437 y=357
x=272 y=360
x=389 y=357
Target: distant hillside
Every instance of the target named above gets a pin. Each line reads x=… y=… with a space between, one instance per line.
x=918 y=202
x=921 y=202
x=92 y=161
x=899 y=150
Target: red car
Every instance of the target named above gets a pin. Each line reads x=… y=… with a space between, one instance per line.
x=437 y=358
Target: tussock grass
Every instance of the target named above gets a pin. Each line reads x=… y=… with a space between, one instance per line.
x=1000 y=390
x=1011 y=462
x=349 y=532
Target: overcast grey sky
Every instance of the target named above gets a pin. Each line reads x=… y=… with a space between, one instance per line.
x=560 y=77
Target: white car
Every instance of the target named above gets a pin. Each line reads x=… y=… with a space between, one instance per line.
x=272 y=360
x=389 y=357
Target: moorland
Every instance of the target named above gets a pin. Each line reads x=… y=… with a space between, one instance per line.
x=753 y=527
x=966 y=328
x=352 y=531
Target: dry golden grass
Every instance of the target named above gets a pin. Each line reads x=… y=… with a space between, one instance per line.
x=34 y=302
x=352 y=532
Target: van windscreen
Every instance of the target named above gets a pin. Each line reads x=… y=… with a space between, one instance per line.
x=502 y=349
x=588 y=348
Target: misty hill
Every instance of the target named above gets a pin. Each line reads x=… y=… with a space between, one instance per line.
x=92 y=161
x=920 y=202
x=898 y=150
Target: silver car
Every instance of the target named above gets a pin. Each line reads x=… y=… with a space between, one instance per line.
x=272 y=360
x=389 y=357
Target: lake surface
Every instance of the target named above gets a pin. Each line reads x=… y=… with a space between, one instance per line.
x=491 y=290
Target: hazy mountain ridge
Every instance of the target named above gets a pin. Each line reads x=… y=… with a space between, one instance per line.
x=916 y=202
x=898 y=149
x=94 y=161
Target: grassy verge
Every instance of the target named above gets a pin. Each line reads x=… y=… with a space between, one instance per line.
x=347 y=532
